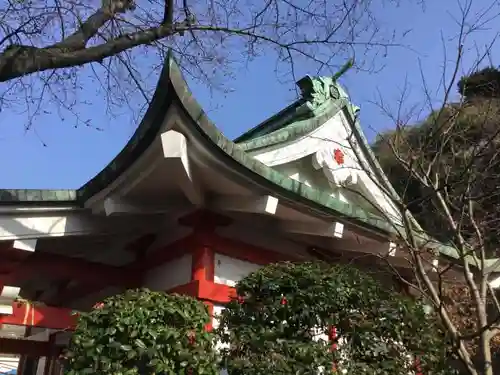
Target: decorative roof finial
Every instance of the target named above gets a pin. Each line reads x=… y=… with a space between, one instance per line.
x=318 y=90
x=348 y=65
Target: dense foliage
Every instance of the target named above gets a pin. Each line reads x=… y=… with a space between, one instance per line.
x=143 y=332
x=483 y=83
x=274 y=326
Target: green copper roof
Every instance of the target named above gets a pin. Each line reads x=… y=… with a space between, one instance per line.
x=297 y=128
x=14 y=196
x=273 y=123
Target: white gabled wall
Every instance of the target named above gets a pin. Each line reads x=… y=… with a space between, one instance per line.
x=330 y=132
x=169 y=275
x=310 y=160
x=229 y=271
x=301 y=170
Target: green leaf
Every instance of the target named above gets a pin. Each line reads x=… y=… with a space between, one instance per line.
x=140 y=344
x=131 y=354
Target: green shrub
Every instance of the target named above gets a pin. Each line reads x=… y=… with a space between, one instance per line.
x=143 y=332
x=269 y=328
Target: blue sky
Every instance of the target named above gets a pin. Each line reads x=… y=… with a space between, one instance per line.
x=73 y=155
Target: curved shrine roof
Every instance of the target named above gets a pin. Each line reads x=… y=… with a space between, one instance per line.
x=322 y=98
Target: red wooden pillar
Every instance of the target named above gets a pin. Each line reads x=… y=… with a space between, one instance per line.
x=202 y=271
x=202 y=264
x=204 y=224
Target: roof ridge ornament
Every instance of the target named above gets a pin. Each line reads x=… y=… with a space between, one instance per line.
x=317 y=91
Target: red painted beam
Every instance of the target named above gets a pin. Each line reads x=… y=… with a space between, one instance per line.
x=141 y=244
x=189 y=289
x=58 y=266
x=8 y=265
x=74 y=293
x=39 y=316
x=205 y=219
x=207 y=291
x=11 y=257
x=158 y=257
x=28 y=347
x=203 y=223
x=226 y=246
x=201 y=243
x=7 y=249
x=217 y=293
x=138 y=247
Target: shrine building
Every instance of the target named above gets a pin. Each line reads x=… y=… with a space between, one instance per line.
x=183 y=209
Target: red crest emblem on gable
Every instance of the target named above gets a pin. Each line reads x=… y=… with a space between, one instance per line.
x=338 y=155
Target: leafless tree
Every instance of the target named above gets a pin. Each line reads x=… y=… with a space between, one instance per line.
x=446 y=174
x=53 y=48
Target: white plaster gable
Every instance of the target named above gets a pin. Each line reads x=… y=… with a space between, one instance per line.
x=313 y=160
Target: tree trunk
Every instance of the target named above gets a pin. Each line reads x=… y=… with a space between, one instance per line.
x=485 y=353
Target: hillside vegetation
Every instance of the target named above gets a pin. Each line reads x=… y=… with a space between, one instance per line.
x=458 y=144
